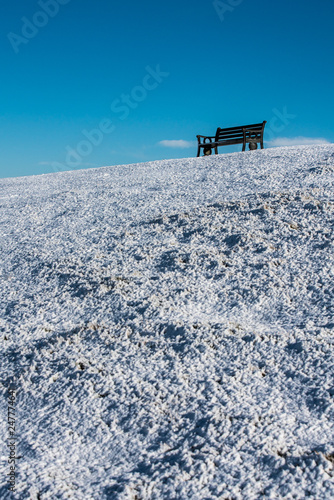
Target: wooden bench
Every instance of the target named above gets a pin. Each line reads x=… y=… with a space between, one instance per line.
x=245 y=134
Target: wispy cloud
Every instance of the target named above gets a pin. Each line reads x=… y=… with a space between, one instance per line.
x=82 y=164
x=296 y=141
x=179 y=143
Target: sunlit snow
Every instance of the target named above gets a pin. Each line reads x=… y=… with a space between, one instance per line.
x=171 y=327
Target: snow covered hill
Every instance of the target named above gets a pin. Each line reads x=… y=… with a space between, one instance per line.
x=170 y=326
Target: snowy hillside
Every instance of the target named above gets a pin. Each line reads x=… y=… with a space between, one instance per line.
x=171 y=329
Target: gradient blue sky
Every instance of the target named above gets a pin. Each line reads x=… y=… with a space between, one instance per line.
x=222 y=64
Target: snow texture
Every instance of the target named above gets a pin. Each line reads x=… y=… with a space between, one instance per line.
x=171 y=326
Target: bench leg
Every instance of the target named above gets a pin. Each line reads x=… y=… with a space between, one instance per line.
x=244 y=146
x=216 y=150
x=262 y=145
x=198 y=151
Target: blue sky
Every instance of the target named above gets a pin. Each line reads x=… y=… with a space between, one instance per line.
x=88 y=83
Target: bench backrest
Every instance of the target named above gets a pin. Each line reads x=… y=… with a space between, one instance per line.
x=236 y=133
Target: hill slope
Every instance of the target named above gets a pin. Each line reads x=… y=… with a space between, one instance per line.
x=170 y=327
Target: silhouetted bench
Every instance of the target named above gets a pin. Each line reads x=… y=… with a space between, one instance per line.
x=245 y=134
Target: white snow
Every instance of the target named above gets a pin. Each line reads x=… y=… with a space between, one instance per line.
x=170 y=327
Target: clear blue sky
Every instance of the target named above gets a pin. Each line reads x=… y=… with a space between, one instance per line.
x=149 y=71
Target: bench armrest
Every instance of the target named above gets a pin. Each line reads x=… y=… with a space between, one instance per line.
x=204 y=137
x=257 y=132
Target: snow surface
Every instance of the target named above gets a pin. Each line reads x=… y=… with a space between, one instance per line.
x=170 y=326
